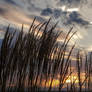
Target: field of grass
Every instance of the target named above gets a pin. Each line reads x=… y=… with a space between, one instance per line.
x=36 y=62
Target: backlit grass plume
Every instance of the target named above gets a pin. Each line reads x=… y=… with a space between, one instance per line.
x=29 y=59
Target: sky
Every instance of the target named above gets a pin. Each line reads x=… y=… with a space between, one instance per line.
x=76 y=13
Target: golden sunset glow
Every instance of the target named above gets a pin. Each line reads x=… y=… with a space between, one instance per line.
x=55 y=83
x=72 y=79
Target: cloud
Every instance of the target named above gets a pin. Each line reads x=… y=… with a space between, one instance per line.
x=66 y=11
x=73 y=9
x=75 y=17
x=10 y=1
x=70 y=2
x=47 y=12
x=57 y=13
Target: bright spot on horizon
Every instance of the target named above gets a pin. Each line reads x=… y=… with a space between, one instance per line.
x=72 y=79
x=56 y=81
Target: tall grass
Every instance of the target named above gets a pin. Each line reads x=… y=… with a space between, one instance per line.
x=26 y=59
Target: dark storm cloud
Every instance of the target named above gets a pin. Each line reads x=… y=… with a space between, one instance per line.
x=47 y=12
x=75 y=17
x=57 y=13
x=70 y=1
x=10 y=1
